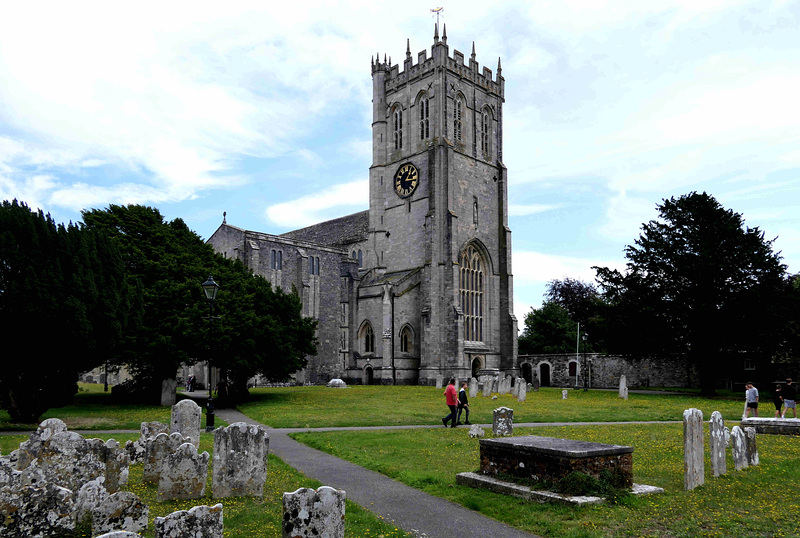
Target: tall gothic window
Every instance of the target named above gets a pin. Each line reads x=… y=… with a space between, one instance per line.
x=471 y=288
x=398 y=128
x=486 y=128
x=406 y=340
x=457 y=125
x=424 y=125
x=367 y=337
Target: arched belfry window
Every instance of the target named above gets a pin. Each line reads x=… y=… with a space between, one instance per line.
x=486 y=131
x=424 y=118
x=457 y=114
x=398 y=127
x=471 y=286
x=367 y=337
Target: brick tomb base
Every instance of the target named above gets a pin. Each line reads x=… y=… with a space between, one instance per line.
x=548 y=458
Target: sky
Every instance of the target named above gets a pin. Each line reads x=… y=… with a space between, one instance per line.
x=251 y=109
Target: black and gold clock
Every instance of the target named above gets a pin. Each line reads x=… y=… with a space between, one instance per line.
x=406 y=180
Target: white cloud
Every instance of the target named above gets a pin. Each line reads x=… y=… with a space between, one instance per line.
x=311 y=209
x=535 y=267
x=520 y=210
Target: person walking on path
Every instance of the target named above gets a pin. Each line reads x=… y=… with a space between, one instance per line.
x=463 y=404
x=789 y=396
x=751 y=397
x=450 y=400
x=777 y=399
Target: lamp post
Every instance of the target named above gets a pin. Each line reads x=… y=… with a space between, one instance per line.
x=585 y=365
x=210 y=288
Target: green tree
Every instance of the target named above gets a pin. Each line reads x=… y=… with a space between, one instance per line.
x=65 y=299
x=548 y=329
x=700 y=283
x=584 y=305
x=259 y=330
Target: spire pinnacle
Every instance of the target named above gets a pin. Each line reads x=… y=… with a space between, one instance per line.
x=436 y=32
x=444 y=33
x=499 y=69
x=408 y=48
x=473 y=50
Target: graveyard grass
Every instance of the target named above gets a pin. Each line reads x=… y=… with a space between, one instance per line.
x=243 y=516
x=317 y=407
x=759 y=501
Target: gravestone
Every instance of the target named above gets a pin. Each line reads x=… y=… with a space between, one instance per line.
x=739 y=448
x=438 y=381
x=185 y=474
x=717 y=444
x=564 y=394
x=535 y=383
x=239 y=468
x=122 y=511
x=473 y=387
x=136 y=449
x=168 y=388
x=36 y=511
x=487 y=386
x=693 y=449
x=185 y=419
x=88 y=498
x=522 y=392
x=151 y=429
x=752 y=449
x=156 y=451
x=197 y=522
x=29 y=450
x=476 y=431
x=623 y=387
x=503 y=421
x=319 y=513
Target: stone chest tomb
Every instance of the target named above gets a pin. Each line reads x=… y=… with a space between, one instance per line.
x=548 y=458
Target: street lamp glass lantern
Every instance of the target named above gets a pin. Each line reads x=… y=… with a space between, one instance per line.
x=210 y=288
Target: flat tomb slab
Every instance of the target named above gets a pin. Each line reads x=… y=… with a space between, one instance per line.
x=533 y=457
x=773 y=426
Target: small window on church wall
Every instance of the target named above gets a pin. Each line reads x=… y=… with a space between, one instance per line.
x=471 y=293
x=367 y=338
x=360 y=259
x=486 y=128
x=280 y=261
x=475 y=211
x=398 y=128
x=424 y=125
x=406 y=340
x=457 y=125
x=316 y=266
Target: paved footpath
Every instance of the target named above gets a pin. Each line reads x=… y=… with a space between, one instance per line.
x=410 y=509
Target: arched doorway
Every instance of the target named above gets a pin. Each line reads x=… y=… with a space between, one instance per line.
x=544 y=371
x=369 y=379
x=477 y=364
x=527 y=372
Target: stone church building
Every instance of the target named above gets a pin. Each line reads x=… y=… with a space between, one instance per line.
x=420 y=284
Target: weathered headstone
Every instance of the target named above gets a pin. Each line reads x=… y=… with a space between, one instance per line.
x=623 y=387
x=473 y=387
x=564 y=394
x=89 y=497
x=717 y=444
x=186 y=418
x=487 y=386
x=197 y=522
x=136 y=449
x=476 y=431
x=29 y=450
x=535 y=383
x=240 y=461
x=156 y=451
x=693 y=449
x=36 y=511
x=151 y=429
x=522 y=392
x=319 y=513
x=168 y=388
x=185 y=475
x=752 y=449
x=503 y=421
x=122 y=511
x=739 y=448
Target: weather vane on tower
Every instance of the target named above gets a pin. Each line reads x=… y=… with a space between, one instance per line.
x=437 y=10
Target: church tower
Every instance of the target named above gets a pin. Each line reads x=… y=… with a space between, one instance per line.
x=439 y=209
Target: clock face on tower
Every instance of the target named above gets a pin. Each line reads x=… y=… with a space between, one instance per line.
x=406 y=180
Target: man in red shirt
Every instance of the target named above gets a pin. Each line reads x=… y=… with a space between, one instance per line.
x=450 y=400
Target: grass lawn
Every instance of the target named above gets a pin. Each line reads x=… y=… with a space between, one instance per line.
x=243 y=516
x=759 y=501
x=300 y=407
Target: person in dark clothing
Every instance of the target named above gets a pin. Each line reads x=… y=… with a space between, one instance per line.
x=789 y=392
x=463 y=404
x=777 y=399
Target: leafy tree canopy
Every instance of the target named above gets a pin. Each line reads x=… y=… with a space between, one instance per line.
x=548 y=330
x=65 y=298
x=698 y=282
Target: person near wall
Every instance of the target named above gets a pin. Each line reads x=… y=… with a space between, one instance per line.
x=450 y=400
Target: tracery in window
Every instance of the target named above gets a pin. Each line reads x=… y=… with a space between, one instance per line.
x=471 y=291
x=457 y=125
x=486 y=128
x=424 y=116
x=398 y=127
x=276 y=259
x=367 y=337
x=406 y=340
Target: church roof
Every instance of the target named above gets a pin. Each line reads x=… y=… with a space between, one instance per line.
x=337 y=232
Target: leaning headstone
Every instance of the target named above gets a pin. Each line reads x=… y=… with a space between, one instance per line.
x=564 y=394
x=168 y=388
x=156 y=451
x=693 y=449
x=197 y=522
x=122 y=511
x=623 y=387
x=739 y=448
x=522 y=392
x=29 y=450
x=750 y=443
x=503 y=421
x=89 y=497
x=319 y=513
x=476 y=431
x=185 y=475
x=337 y=384
x=186 y=418
x=519 y=386
x=240 y=461
x=68 y=460
x=36 y=511
x=717 y=444
x=487 y=386
x=473 y=387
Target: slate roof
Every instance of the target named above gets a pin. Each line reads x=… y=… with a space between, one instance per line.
x=337 y=232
